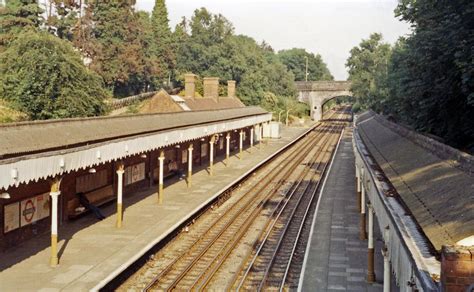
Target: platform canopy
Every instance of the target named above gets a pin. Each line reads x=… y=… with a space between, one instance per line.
x=37 y=150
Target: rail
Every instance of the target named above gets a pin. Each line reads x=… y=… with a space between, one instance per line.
x=292 y=224
x=235 y=214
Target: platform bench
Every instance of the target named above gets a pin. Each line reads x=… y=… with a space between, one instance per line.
x=97 y=198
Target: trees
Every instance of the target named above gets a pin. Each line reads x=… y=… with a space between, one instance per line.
x=212 y=49
x=436 y=63
x=428 y=81
x=17 y=16
x=63 y=16
x=367 y=66
x=132 y=52
x=295 y=61
x=45 y=78
x=163 y=38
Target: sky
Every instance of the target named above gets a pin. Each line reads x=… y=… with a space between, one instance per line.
x=330 y=28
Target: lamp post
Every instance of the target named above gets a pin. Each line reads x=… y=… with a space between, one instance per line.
x=279 y=115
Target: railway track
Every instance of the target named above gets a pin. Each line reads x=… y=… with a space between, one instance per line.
x=270 y=264
x=284 y=204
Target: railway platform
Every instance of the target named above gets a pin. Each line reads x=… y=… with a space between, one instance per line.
x=336 y=259
x=93 y=252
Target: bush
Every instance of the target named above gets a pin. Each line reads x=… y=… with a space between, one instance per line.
x=356 y=107
x=42 y=76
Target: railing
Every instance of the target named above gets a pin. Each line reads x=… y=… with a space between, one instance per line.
x=460 y=159
x=123 y=102
x=323 y=85
x=412 y=260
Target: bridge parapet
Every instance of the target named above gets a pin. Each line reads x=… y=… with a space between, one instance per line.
x=323 y=85
x=316 y=93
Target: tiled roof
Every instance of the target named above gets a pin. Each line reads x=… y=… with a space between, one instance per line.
x=204 y=103
x=39 y=136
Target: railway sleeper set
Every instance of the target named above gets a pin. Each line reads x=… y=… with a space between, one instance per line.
x=255 y=240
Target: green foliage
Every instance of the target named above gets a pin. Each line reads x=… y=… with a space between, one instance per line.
x=368 y=65
x=434 y=70
x=8 y=115
x=17 y=16
x=163 y=39
x=295 y=60
x=123 y=51
x=429 y=80
x=356 y=107
x=45 y=78
x=212 y=49
x=64 y=18
x=133 y=52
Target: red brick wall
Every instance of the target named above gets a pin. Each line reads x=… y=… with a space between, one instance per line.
x=457 y=268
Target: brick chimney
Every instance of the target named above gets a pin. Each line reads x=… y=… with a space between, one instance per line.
x=189 y=86
x=231 y=88
x=457 y=267
x=211 y=87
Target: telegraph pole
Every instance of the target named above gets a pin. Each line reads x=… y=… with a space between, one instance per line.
x=306 y=71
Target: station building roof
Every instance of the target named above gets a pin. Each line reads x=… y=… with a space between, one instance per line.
x=438 y=194
x=33 y=150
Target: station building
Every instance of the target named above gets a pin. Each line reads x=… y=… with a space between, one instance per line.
x=44 y=164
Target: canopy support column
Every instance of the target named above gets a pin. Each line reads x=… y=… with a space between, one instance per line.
x=241 y=143
x=227 y=149
x=161 y=160
x=54 y=194
x=190 y=164
x=120 y=172
x=371 y=262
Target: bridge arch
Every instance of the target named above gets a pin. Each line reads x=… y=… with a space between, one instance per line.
x=317 y=93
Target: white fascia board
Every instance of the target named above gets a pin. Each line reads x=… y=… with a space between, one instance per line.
x=34 y=167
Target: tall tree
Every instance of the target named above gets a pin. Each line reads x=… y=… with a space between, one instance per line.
x=44 y=77
x=368 y=65
x=434 y=68
x=212 y=49
x=151 y=63
x=163 y=37
x=295 y=60
x=118 y=51
x=17 y=16
x=63 y=16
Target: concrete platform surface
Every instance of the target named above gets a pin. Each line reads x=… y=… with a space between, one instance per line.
x=337 y=259
x=91 y=250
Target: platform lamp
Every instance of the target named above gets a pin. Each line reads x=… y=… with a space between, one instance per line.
x=279 y=115
x=5 y=196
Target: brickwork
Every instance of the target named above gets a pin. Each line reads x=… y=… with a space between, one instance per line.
x=231 y=88
x=323 y=86
x=457 y=268
x=211 y=87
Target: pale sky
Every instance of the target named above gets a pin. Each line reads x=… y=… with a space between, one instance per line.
x=328 y=27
